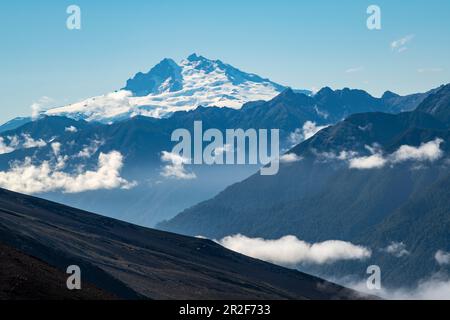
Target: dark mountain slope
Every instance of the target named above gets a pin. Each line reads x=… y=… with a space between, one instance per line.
x=438 y=104
x=322 y=198
x=26 y=278
x=131 y=261
x=397 y=103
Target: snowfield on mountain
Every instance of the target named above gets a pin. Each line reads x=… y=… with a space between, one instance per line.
x=169 y=87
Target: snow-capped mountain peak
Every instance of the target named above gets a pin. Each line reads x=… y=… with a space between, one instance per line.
x=169 y=87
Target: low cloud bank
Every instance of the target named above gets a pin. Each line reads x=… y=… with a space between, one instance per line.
x=426 y=152
x=30 y=178
x=397 y=249
x=436 y=287
x=442 y=258
x=175 y=167
x=290 y=251
x=290 y=157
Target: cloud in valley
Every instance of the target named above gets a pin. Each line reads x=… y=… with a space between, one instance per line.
x=436 y=287
x=290 y=157
x=29 y=142
x=24 y=141
x=175 y=167
x=426 y=152
x=30 y=178
x=429 y=151
x=71 y=129
x=4 y=147
x=290 y=251
x=397 y=249
x=89 y=150
x=367 y=162
x=442 y=258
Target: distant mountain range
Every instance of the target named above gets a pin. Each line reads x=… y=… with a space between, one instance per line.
x=40 y=239
x=197 y=81
x=141 y=140
x=357 y=168
x=376 y=179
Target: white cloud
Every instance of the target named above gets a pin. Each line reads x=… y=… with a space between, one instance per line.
x=89 y=150
x=290 y=157
x=38 y=106
x=56 y=147
x=436 y=287
x=314 y=90
x=369 y=162
x=430 y=70
x=14 y=141
x=71 y=129
x=175 y=168
x=220 y=151
x=397 y=249
x=290 y=251
x=29 y=178
x=442 y=258
x=400 y=44
x=308 y=130
x=24 y=141
x=426 y=152
x=429 y=151
x=29 y=142
x=323 y=114
x=4 y=148
x=354 y=70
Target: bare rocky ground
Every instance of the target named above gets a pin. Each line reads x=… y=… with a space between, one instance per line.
x=41 y=239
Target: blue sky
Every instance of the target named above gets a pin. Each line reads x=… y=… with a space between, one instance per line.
x=302 y=44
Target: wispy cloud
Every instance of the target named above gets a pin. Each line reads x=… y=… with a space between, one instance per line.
x=24 y=141
x=397 y=249
x=436 y=287
x=71 y=129
x=290 y=157
x=429 y=151
x=89 y=150
x=442 y=258
x=175 y=167
x=29 y=142
x=430 y=70
x=5 y=147
x=354 y=70
x=38 y=106
x=290 y=251
x=30 y=178
x=308 y=130
x=400 y=44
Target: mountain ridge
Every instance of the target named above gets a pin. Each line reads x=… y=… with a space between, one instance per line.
x=141 y=140
x=349 y=183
